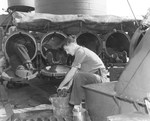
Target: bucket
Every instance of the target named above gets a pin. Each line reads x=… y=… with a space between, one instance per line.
x=61 y=105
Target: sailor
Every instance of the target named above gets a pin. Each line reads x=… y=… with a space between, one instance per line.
x=54 y=51
x=87 y=68
x=19 y=58
x=20 y=64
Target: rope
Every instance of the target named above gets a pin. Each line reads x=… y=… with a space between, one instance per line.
x=133 y=13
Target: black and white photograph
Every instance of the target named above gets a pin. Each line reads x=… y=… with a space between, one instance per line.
x=74 y=60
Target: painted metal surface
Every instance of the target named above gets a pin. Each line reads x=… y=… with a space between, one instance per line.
x=134 y=81
x=102 y=101
x=136 y=116
x=5 y=20
x=21 y=5
x=1 y=37
x=91 y=7
x=128 y=94
x=136 y=38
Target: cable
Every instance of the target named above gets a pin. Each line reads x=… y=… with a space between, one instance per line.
x=133 y=13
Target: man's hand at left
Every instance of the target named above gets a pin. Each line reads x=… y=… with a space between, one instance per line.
x=62 y=92
x=61 y=88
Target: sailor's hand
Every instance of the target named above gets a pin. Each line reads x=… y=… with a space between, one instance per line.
x=61 y=88
x=62 y=92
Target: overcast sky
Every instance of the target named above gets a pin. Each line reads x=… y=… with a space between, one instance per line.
x=3 y=5
x=114 y=7
x=121 y=7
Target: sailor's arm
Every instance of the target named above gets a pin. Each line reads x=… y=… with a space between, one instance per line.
x=68 y=77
